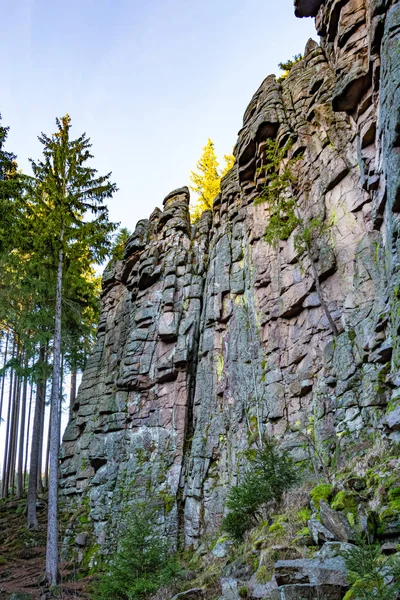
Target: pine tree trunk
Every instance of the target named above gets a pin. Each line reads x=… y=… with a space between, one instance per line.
x=46 y=462
x=52 y=522
x=13 y=435
x=28 y=428
x=4 y=478
x=3 y=379
x=39 y=482
x=12 y=432
x=37 y=440
x=61 y=400
x=20 y=475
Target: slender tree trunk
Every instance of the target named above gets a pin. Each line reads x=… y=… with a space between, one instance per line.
x=14 y=432
x=4 y=478
x=72 y=393
x=61 y=399
x=11 y=430
x=52 y=522
x=20 y=475
x=47 y=458
x=28 y=428
x=3 y=379
x=34 y=466
x=39 y=482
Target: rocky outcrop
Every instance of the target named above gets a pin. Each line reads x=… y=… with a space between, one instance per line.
x=130 y=427
x=210 y=337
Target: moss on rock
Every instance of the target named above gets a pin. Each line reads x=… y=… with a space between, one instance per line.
x=323 y=491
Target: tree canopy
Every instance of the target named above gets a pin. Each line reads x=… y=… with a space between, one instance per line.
x=207 y=180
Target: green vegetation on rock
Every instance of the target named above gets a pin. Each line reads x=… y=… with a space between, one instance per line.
x=321 y=492
x=372 y=575
x=141 y=565
x=269 y=474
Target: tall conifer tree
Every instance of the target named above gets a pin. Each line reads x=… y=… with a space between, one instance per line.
x=67 y=192
x=10 y=190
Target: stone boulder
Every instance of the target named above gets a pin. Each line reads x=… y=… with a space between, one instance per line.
x=336 y=522
x=331 y=571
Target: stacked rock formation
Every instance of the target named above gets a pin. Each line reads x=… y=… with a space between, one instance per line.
x=210 y=337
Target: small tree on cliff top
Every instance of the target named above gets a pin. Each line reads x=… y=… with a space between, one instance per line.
x=207 y=181
x=66 y=192
x=286 y=67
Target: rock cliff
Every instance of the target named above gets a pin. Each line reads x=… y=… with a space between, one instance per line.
x=209 y=336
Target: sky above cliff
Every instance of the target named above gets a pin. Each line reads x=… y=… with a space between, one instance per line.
x=148 y=81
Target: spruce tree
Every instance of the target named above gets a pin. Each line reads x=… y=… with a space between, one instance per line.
x=10 y=190
x=67 y=192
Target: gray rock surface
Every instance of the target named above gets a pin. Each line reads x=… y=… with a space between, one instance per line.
x=336 y=523
x=209 y=336
x=331 y=571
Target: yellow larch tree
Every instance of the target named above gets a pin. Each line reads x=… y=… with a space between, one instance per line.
x=207 y=180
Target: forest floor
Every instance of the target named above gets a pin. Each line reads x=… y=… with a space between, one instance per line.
x=23 y=555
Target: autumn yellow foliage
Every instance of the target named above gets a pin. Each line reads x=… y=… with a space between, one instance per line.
x=207 y=179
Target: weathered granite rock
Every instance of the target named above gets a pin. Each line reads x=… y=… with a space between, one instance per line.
x=336 y=523
x=319 y=533
x=208 y=336
x=330 y=571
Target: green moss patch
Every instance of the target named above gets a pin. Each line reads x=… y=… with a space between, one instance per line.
x=344 y=501
x=323 y=491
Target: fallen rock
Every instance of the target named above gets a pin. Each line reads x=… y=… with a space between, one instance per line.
x=80 y=539
x=229 y=588
x=319 y=533
x=332 y=549
x=221 y=548
x=336 y=522
x=260 y=590
x=331 y=571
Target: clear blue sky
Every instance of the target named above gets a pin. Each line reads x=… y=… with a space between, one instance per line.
x=149 y=81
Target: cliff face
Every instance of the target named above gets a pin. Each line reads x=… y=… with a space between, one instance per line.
x=209 y=336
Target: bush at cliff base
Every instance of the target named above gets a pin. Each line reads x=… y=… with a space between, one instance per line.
x=141 y=565
x=269 y=474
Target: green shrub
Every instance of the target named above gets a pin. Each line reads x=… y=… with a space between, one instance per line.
x=269 y=474
x=371 y=574
x=141 y=565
